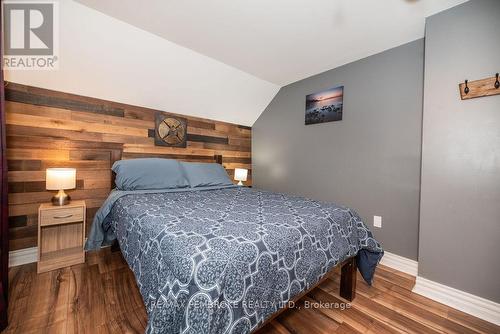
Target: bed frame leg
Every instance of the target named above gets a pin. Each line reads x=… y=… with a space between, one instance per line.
x=348 y=279
x=115 y=246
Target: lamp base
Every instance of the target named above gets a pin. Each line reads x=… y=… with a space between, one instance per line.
x=61 y=198
x=240 y=183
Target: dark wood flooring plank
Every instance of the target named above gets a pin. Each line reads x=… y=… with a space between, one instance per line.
x=420 y=314
x=350 y=316
x=395 y=279
x=274 y=327
x=306 y=321
x=42 y=306
x=479 y=325
x=382 y=313
x=86 y=300
x=346 y=329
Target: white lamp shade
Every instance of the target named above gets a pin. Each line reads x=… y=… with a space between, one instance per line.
x=240 y=174
x=60 y=178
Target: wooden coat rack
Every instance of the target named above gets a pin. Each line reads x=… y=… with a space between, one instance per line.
x=479 y=88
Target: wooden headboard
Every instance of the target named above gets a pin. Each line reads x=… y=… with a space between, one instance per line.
x=47 y=128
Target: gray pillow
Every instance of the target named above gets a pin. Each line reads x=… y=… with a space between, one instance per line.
x=201 y=174
x=149 y=173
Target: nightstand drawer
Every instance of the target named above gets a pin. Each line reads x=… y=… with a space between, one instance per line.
x=61 y=215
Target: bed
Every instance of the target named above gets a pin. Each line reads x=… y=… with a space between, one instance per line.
x=227 y=259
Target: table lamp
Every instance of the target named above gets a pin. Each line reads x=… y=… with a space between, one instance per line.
x=240 y=174
x=60 y=179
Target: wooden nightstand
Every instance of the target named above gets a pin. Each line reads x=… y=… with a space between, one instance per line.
x=61 y=235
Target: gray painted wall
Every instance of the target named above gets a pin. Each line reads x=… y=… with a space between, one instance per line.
x=370 y=160
x=460 y=207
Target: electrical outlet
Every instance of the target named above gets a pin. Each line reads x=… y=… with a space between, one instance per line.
x=377 y=221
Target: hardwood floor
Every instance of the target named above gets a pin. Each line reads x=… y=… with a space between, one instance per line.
x=101 y=296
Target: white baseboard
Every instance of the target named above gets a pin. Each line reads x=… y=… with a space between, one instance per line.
x=23 y=256
x=479 y=307
x=400 y=263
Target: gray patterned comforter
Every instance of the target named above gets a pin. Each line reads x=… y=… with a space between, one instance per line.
x=222 y=261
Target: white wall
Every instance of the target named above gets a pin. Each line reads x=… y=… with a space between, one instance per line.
x=103 y=57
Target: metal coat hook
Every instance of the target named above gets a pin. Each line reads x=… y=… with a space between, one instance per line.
x=466 y=89
x=471 y=89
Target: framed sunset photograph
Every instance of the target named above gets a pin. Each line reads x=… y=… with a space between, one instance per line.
x=326 y=106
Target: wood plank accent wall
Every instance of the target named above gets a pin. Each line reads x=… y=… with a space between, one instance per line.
x=53 y=129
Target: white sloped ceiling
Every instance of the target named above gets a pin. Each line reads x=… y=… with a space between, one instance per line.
x=280 y=41
x=106 y=58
